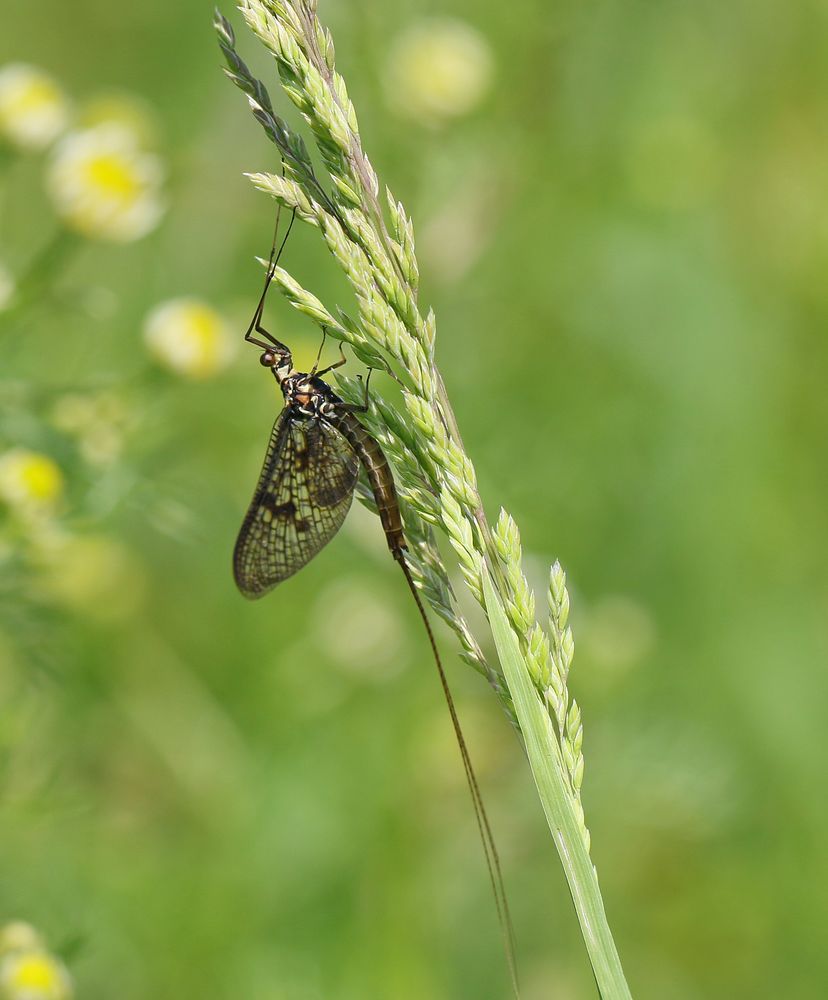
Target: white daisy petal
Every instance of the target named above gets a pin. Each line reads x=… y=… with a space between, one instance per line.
x=33 y=108
x=188 y=337
x=104 y=186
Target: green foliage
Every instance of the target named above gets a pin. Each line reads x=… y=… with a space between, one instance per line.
x=622 y=240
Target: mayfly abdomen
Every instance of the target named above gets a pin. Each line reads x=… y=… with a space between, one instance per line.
x=379 y=476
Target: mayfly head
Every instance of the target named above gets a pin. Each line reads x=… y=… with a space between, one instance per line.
x=279 y=360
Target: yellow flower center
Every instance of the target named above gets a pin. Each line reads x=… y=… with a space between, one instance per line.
x=36 y=94
x=29 y=479
x=188 y=337
x=41 y=478
x=36 y=972
x=206 y=343
x=113 y=176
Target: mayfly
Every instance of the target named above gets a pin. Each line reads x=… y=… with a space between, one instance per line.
x=305 y=490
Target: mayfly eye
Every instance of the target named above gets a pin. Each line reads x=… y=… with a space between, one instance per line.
x=268 y=359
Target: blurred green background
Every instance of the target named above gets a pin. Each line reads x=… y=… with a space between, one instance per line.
x=625 y=241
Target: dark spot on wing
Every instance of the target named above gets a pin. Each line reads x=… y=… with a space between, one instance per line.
x=285 y=510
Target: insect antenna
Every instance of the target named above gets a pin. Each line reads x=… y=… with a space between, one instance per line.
x=486 y=835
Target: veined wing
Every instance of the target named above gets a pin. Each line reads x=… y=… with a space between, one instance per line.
x=304 y=492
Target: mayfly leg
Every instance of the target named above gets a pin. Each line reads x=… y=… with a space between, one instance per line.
x=315 y=372
x=315 y=369
x=256 y=321
x=354 y=407
x=337 y=364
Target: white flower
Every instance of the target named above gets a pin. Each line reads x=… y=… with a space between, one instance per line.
x=439 y=69
x=104 y=185
x=29 y=481
x=188 y=337
x=34 y=975
x=33 y=108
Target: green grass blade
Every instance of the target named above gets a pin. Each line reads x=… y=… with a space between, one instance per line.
x=544 y=759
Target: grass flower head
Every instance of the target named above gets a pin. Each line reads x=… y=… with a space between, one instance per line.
x=104 y=186
x=439 y=69
x=188 y=337
x=33 y=108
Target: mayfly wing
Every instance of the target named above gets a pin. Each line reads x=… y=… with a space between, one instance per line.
x=302 y=497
